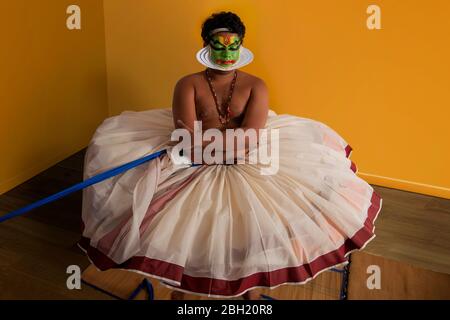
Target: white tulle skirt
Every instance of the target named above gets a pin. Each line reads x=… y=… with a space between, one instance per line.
x=220 y=230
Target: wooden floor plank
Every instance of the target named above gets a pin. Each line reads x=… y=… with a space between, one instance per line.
x=398 y=280
x=413 y=228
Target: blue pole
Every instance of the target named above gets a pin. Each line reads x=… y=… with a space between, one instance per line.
x=81 y=185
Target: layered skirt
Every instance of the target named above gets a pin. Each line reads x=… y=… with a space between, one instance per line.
x=220 y=230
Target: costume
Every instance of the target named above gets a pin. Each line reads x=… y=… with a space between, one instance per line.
x=220 y=230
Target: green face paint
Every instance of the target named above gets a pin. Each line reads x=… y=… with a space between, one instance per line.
x=225 y=48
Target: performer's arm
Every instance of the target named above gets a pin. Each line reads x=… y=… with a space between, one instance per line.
x=254 y=119
x=255 y=115
x=183 y=104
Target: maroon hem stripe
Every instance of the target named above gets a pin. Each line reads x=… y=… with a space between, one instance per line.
x=353 y=167
x=222 y=287
x=348 y=150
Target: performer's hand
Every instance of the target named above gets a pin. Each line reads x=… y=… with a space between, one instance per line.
x=191 y=131
x=172 y=143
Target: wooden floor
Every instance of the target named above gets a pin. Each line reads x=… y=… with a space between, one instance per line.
x=37 y=248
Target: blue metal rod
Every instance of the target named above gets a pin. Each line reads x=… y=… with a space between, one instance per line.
x=81 y=185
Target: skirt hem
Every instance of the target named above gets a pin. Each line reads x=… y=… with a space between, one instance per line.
x=172 y=275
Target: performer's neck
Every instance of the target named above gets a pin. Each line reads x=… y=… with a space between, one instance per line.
x=221 y=74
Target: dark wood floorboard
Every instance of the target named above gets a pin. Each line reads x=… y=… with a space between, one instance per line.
x=413 y=228
x=37 y=247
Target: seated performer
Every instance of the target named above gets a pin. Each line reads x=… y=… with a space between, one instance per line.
x=221 y=229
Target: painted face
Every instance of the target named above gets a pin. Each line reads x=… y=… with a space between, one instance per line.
x=225 y=48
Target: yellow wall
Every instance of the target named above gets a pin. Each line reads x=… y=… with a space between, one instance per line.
x=385 y=91
x=52 y=84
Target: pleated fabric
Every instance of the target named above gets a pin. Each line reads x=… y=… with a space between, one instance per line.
x=220 y=230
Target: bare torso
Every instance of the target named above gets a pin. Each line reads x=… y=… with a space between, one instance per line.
x=205 y=106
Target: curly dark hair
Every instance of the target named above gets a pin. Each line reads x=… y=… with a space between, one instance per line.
x=222 y=20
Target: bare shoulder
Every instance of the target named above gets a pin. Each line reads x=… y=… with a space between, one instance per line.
x=184 y=88
x=186 y=80
x=257 y=83
x=254 y=81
